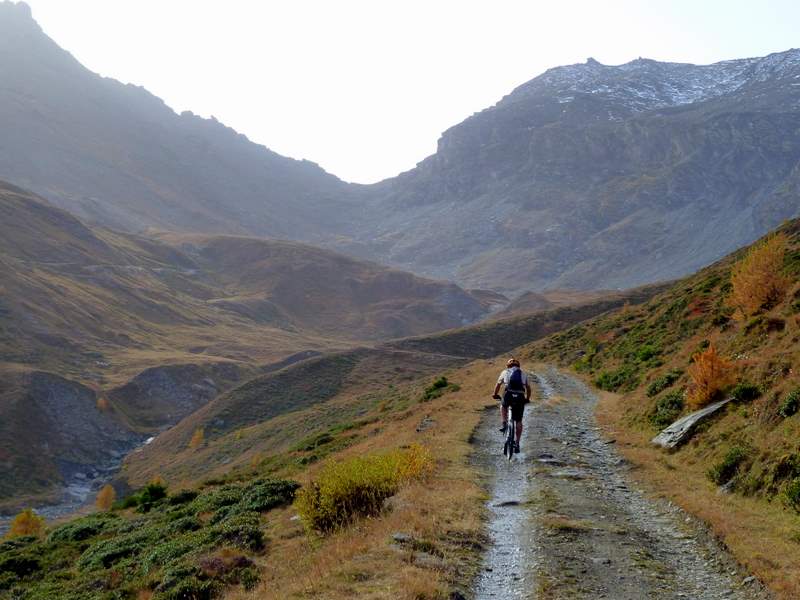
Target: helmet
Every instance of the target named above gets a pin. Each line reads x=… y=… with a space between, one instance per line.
x=512 y=362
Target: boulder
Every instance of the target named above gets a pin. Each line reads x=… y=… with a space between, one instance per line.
x=681 y=430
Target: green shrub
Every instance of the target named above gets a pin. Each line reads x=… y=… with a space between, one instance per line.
x=745 y=392
x=312 y=442
x=791 y=494
x=20 y=564
x=358 y=486
x=240 y=530
x=437 y=388
x=726 y=469
x=104 y=553
x=226 y=495
x=152 y=493
x=186 y=582
x=182 y=497
x=666 y=409
x=625 y=378
x=265 y=494
x=83 y=528
x=659 y=384
x=790 y=405
x=647 y=352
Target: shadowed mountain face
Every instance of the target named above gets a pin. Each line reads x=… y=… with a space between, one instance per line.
x=588 y=176
x=118 y=155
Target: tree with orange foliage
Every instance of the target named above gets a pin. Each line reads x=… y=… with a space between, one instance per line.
x=26 y=523
x=105 y=497
x=709 y=374
x=102 y=404
x=198 y=438
x=758 y=280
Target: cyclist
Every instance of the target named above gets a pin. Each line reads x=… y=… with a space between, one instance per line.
x=517 y=394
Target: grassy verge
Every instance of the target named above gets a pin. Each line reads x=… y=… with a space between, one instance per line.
x=765 y=538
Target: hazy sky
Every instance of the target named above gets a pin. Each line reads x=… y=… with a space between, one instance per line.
x=365 y=88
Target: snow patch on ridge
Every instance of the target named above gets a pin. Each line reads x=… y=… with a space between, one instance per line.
x=645 y=84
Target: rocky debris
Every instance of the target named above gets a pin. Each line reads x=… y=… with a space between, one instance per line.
x=682 y=429
x=425 y=423
x=402 y=538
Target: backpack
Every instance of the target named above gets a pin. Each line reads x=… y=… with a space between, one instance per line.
x=515 y=381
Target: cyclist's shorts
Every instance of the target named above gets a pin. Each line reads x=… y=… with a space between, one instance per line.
x=515 y=400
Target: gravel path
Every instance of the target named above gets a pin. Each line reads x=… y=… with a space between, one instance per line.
x=565 y=521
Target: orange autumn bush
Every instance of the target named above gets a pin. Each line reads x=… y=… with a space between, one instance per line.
x=710 y=373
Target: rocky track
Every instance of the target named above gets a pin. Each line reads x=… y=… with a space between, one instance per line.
x=567 y=522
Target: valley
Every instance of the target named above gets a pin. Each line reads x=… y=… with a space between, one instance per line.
x=281 y=381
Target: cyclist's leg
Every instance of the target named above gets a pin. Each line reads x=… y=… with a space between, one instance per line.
x=504 y=404
x=518 y=410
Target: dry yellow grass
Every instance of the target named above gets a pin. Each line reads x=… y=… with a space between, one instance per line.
x=443 y=514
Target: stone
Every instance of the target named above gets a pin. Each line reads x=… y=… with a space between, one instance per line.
x=402 y=538
x=682 y=429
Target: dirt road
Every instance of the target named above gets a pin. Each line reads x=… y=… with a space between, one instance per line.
x=566 y=521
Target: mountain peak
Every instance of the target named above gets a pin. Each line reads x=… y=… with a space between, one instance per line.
x=15 y=15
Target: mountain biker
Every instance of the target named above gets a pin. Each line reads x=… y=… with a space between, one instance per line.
x=516 y=396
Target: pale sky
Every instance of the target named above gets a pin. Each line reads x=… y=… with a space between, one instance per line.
x=365 y=87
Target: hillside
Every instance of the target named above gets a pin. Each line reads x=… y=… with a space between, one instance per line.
x=589 y=176
x=266 y=415
x=132 y=333
x=741 y=470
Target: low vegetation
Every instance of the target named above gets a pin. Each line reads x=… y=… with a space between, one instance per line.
x=358 y=486
x=437 y=388
x=170 y=546
x=667 y=409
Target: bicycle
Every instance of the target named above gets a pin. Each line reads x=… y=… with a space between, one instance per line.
x=511 y=428
x=508 y=446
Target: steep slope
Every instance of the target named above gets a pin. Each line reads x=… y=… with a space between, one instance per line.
x=595 y=176
x=124 y=335
x=116 y=154
x=741 y=469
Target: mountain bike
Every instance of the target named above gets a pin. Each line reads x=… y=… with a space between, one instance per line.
x=508 y=446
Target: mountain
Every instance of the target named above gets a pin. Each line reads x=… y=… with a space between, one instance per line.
x=116 y=154
x=106 y=337
x=596 y=176
x=587 y=177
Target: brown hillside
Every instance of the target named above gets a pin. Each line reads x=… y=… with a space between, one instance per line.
x=151 y=329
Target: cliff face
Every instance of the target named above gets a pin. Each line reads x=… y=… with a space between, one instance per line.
x=594 y=176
